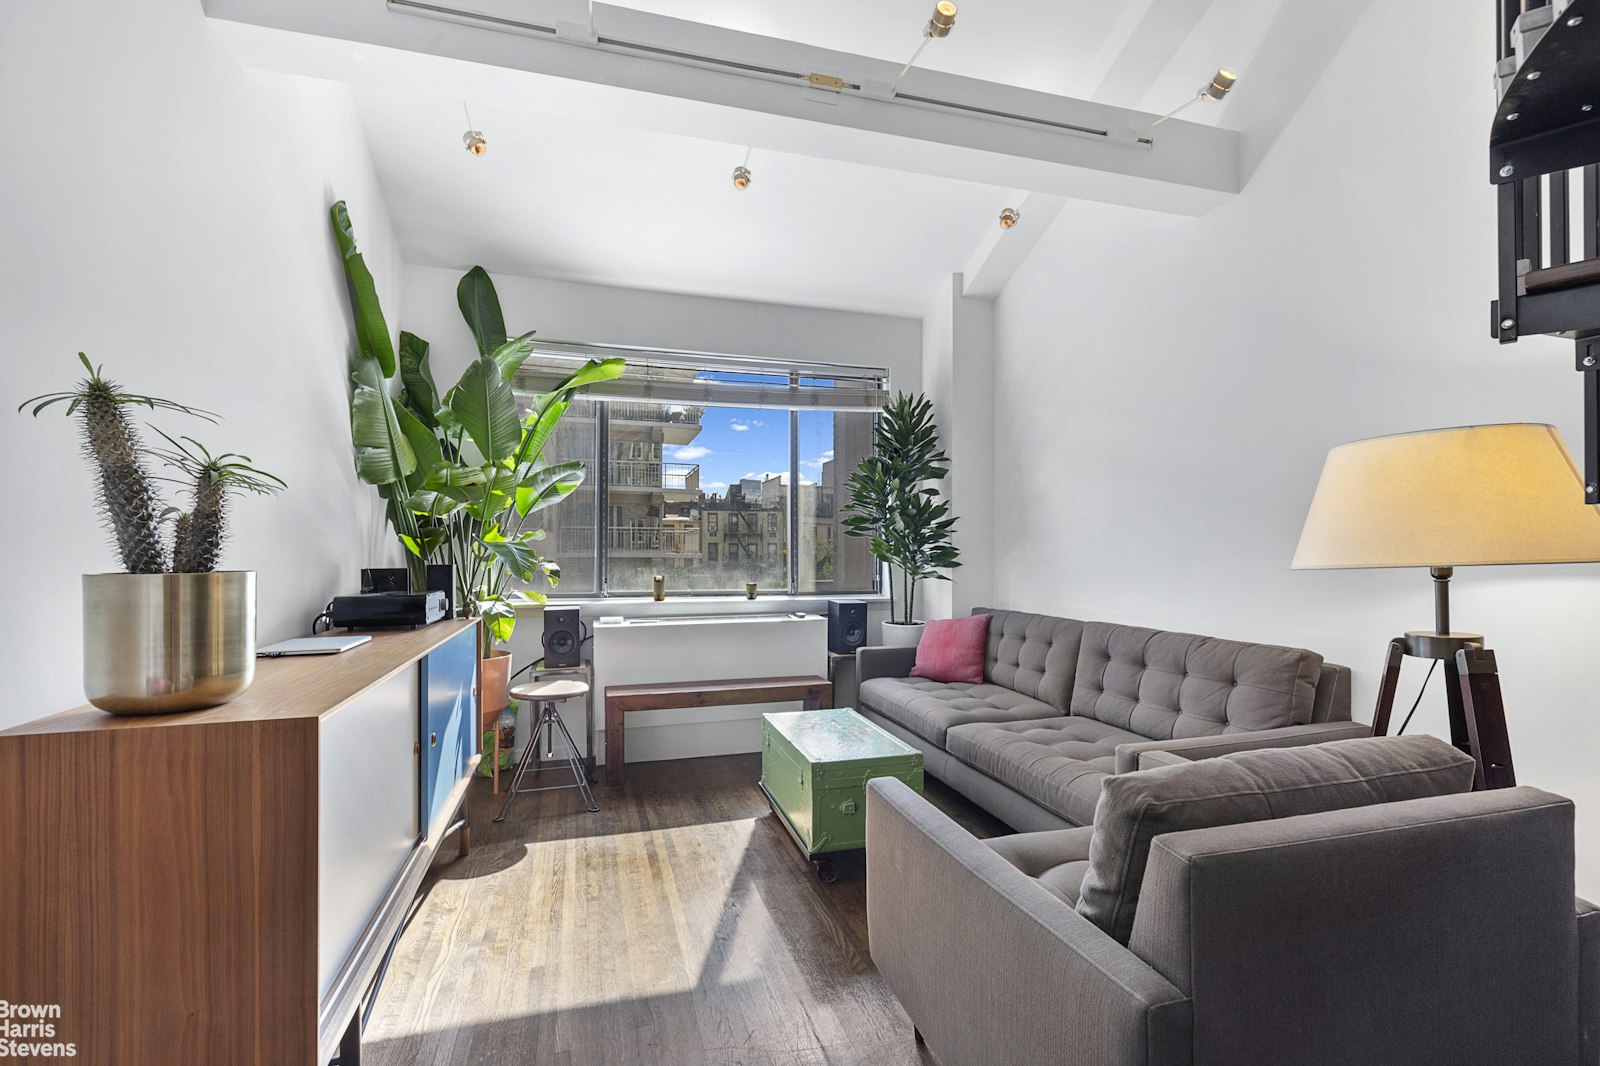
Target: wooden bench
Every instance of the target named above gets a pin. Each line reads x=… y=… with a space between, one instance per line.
x=815 y=692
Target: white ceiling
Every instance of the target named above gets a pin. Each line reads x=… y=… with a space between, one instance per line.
x=572 y=200
x=565 y=193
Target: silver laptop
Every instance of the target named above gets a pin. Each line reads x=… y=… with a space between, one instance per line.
x=311 y=646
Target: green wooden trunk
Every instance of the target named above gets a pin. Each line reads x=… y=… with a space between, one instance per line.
x=815 y=766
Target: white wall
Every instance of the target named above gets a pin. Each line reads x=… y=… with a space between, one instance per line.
x=958 y=376
x=165 y=211
x=1168 y=389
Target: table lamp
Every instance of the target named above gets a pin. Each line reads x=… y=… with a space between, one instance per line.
x=1443 y=498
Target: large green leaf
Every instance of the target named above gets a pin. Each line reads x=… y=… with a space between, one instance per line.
x=548 y=485
x=419 y=392
x=510 y=356
x=487 y=409
x=480 y=306
x=383 y=455
x=448 y=476
x=541 y=421
x=432 y=504
x=372 y=331
x=424 y=445
x=517 y=554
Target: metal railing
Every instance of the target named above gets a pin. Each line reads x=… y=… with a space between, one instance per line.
x=648 y=474
x=634 y=540
x=672 y=414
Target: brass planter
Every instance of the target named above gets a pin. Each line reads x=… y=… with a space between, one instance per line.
x=157 y=643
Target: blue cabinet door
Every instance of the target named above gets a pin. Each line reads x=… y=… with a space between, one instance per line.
x=449 y=737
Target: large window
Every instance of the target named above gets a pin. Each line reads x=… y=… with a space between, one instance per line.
x=708 y=492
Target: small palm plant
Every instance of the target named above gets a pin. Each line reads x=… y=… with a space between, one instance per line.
x=130 y=506
x=894 y=504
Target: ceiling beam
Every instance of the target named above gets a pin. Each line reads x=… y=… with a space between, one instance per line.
x=1146 y=37
x=1188 y=170
x=1002 y=251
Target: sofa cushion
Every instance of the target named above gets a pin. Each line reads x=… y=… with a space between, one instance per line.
x=929 y=708
x=1166 y=685
x=1057 y=762
x=1249 y=786
x=951 y=649
x=1034 y=654
x=1056 y=858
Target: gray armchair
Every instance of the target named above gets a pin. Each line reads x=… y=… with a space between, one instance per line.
x=1431 y=931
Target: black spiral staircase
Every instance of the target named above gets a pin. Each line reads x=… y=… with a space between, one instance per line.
x=1544 y=156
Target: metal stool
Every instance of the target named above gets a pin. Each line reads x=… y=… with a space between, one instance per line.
x=546 y=719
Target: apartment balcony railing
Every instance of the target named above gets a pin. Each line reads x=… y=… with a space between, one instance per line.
x=646 y=474
x=672 y=414
x=634 y=540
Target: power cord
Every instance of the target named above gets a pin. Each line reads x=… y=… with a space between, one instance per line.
x=1418 y=701
x=326 y=618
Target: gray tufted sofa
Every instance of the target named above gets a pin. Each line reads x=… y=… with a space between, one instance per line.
x=1064 y=704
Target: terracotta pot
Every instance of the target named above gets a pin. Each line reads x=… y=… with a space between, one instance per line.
x=494 y=681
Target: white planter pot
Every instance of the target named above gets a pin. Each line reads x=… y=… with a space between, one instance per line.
x=901 y=635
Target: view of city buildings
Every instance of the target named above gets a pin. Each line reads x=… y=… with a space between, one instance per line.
x=659 y=510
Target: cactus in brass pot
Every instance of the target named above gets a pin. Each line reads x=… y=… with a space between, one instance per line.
x=129 y=504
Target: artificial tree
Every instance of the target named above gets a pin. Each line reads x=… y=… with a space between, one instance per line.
x=896 y=505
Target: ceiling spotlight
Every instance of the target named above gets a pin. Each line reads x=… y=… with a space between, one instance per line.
x=1010 y=217
x=1220 y=85
x=741 y=177
x=944 y=17
x=473 y=139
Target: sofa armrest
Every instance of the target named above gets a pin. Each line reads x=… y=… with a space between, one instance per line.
x=990 y=965
x=1292 y=736
x=1154 y=757
x=884 y=662
x=1589 y=981
x=1319 y=939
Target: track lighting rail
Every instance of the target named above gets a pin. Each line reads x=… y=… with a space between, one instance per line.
x=826 y=82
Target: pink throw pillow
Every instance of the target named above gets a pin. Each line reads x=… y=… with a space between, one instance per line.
x=952 y=650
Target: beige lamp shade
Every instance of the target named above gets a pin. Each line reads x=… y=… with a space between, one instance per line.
x=1465 y=496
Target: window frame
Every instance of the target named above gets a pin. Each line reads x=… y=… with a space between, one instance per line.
x=600 y=476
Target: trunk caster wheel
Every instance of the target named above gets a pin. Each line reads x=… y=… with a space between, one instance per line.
x=827 y=872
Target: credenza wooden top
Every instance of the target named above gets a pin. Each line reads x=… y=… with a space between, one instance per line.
x=297 y=686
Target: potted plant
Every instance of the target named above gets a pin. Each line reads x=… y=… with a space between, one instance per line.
x=170 y=633
x=462 y=472
x=894 y=504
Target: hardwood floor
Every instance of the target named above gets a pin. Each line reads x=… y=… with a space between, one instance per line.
x=678 y=925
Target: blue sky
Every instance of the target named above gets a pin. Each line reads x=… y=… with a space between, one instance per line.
x=741 y=442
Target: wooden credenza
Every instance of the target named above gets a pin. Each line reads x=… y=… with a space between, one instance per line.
x=221 y=886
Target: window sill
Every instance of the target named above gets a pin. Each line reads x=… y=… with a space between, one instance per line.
x=685 y=604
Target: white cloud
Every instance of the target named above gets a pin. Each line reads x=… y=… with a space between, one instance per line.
x=738 y=427
x=816 y=464
x=713 y=486
x=741 y=425
x=685 y=453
